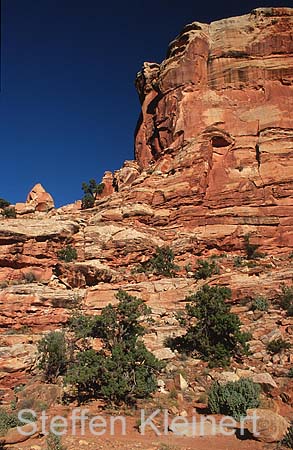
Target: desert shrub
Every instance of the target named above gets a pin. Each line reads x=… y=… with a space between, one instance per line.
x=9 y=212
x=4 y=203
x=54 y=442
x=162 y=263
x=285 y=299
x=277 y=345
x=238 y=261
x=67 y=254
x=10 y=420
x=123 y=370
x=7 y=421
x=260 y=304
x=206 y=269
x=91 y=190
x=29 y=277
x=290 y=372
x=234 y=398
x=251 y=249
x=52 y=354
x=287 y=441
x=215 y=335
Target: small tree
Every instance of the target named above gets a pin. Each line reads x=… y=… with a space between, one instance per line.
x=4 y=203
x=251 y=249
x=259 y=304
x=91 y=190
x=285 y=299
x=52 y=353
x=206 y=269
x=9 y=212
x=277 y=346
x=67 y=254
x=162 y=263
x=213 y=332
x=123 y=370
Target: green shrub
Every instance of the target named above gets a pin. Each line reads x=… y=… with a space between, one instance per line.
x=251 y=249
x=162 y=263
x=238 y=261
x=285 y=299
x=87 y=201
x=206 y=269
x=7 y=421
x=67 y=254
x=234 y=398
x=123 y=370
x=91 y=191
x=10 y=420
x=290 y=372
x=216 y=335
x=277 y=345
x=29 y=277
x=9 y=212
x=54 y=442
x=4 y=203
x=52 y=353
x=260 y=304
x=287 y=441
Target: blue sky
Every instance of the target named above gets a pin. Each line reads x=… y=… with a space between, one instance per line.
x=68 y=105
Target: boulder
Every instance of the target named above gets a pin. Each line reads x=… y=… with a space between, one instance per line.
x=270 y=426
x=40 y=199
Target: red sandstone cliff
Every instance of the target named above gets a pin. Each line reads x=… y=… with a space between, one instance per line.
x=213 y=162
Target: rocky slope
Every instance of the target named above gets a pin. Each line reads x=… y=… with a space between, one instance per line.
x=213 y=163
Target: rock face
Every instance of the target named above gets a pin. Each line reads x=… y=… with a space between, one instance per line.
x=213 y=163
x=216 y=126
x=40 y=199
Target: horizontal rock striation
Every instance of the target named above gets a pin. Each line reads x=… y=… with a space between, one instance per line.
x=213 y=163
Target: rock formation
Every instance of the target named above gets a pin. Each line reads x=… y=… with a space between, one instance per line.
x=38 y=199
x=213 y=163
x=216 y=129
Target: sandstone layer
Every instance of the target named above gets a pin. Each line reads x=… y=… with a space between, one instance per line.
x=213 y=163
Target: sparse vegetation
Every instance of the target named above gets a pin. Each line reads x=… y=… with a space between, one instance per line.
x=285 y=299
x=52 y=351
x=54 y=442
x=91 y=190
x=206 y=269
x=10 y=420
x=162 y=263
x=260 y=304
x=67 y=254
x=234 y=398
x=9 y=212
x=238 y=261
x=290 y=372
x=251 y=249
x=277 y=346
x=29 y=277
x=213 y=332
x=123 y=370
x=7 y=421
x=287 y=441
x=4 y=203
